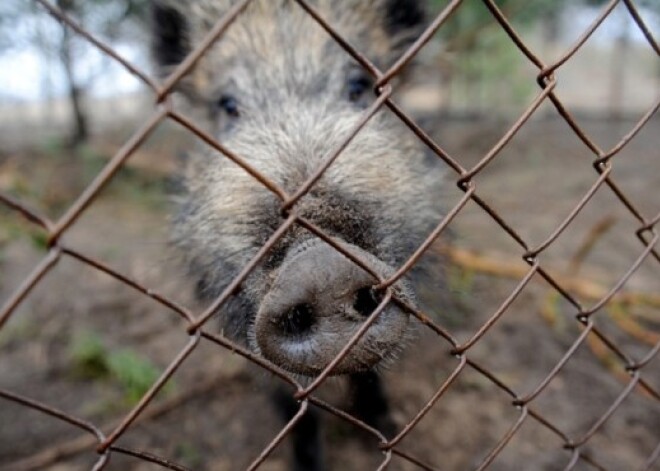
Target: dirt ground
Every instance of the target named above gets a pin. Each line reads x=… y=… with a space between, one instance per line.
x=216 y=416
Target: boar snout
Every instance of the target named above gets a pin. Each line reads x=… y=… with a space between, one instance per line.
x=317 y=302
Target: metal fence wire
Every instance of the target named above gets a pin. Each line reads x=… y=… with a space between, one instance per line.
x=199 y=329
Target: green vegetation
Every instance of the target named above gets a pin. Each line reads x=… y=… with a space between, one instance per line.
x=13 y=228
x=135 y=374
x=92 y=360
x=89 y=356
x=483 y=69
x=188 y=453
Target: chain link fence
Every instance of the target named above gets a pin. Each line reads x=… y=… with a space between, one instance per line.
x=200 y=331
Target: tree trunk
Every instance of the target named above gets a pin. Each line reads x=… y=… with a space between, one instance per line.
x=80 y=126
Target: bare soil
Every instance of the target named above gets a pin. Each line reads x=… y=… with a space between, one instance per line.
x=533 y=184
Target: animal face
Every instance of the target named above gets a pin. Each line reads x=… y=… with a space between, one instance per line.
x=279 y=91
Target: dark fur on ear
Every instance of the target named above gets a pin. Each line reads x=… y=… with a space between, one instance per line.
x=405 y=16
x=169 y=43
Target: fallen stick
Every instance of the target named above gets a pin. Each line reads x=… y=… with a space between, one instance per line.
x=496 y=266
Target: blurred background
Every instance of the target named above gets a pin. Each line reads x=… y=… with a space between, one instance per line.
x=89 y=345
x=53 y=81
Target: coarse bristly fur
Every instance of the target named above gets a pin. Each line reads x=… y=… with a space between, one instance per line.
x=279 y=91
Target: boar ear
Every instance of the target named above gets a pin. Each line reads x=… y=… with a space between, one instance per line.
x=405 y=17
x=169 y=35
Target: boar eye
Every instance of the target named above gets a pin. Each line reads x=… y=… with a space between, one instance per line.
x=229 y=105
x=357 y=86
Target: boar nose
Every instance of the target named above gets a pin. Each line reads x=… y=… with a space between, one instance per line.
x=319 y=299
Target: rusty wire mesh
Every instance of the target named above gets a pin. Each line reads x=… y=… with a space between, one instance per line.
x=198 y=330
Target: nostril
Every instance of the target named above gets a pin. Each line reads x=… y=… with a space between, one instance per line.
x=298 y=320
x=366 y=301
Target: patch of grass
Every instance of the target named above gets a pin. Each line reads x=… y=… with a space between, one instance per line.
x=135 y=374
x=53 y=146
x=39 y=239
x=14 y=228
x=89 y=357
x=188 y=454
